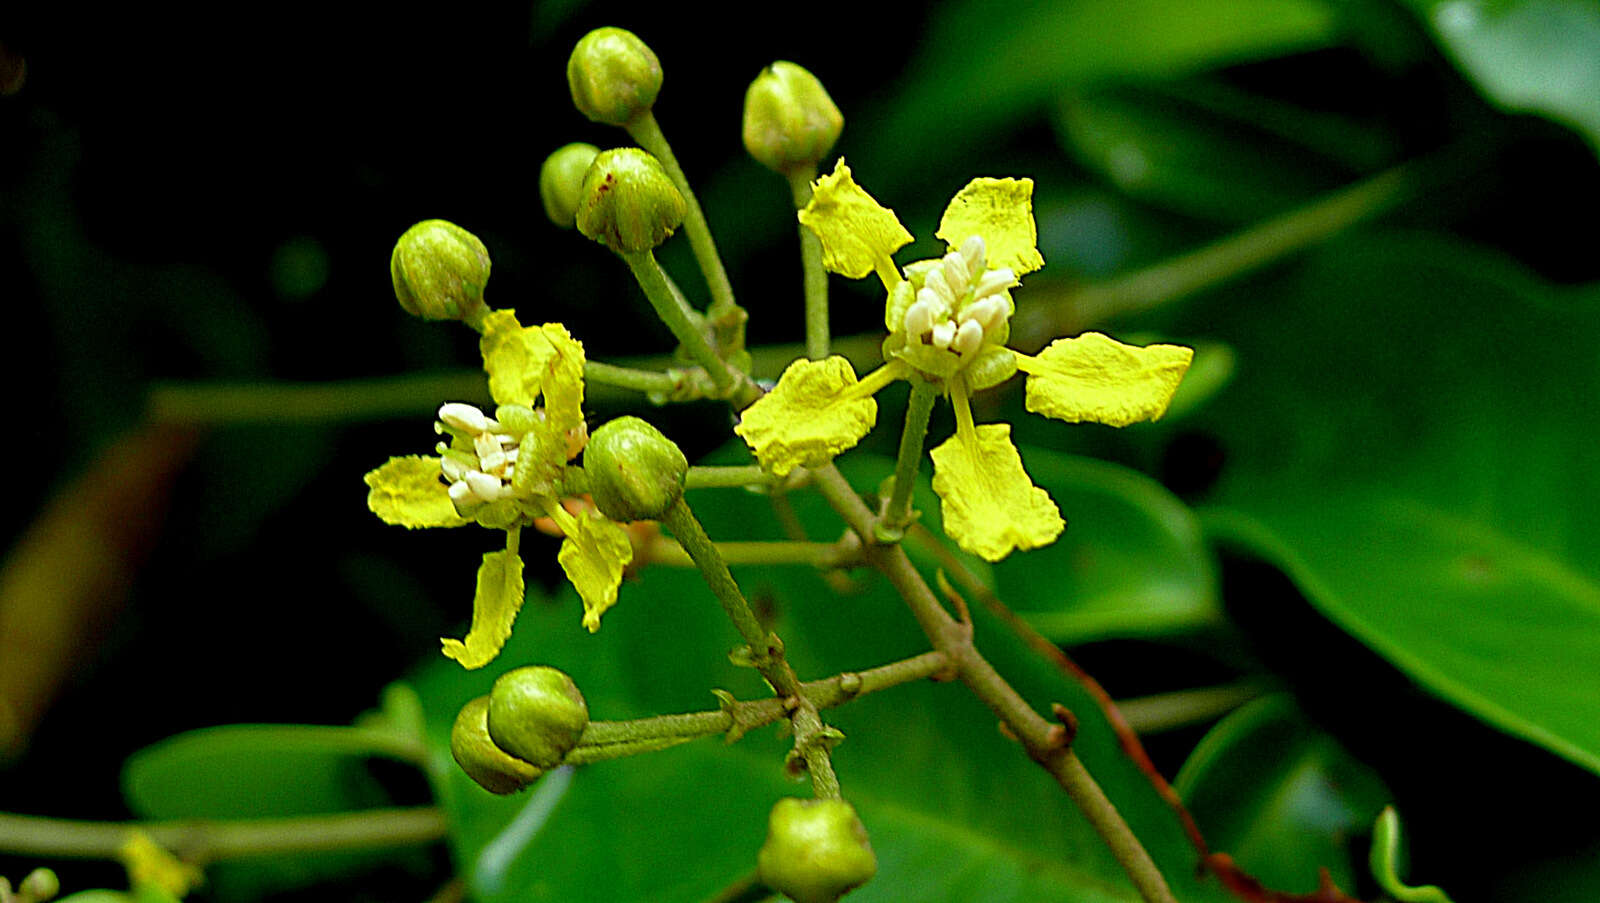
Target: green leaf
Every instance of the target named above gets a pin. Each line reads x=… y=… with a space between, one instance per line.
x=1418 y=457
x=955 y=811
x=1536 y=56
x=1132 y=561
x=987 y=63
x=1282 y=797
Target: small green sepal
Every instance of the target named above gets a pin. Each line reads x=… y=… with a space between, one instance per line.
x=628 y=202
x=614 y=76
x=439 y=271
x=561 y=181
x=790 y=122
x=491 y=767
x=816 y=850
x=635 y=473
x=536 y=714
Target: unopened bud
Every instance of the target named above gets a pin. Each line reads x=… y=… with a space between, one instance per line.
x=790 y=121
x=536 y=714
x=561 y=181
x=613 y=75
x=439 y=271
x=816 y=850
x=629 y=203
x=635 y=473
x=491 y=767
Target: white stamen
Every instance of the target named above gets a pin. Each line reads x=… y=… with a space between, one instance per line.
x=493 y=463
x=463 y=417
x=994 y=281
x=972 y=249
x=919 y=318
x=506 y=439
x=452 y=469
x=955 y=273
x=989 y=313
x=461 y=496
x=943 y=334
x=485 y=445
x=940 y=287
x=969 y=338
x=485 y=487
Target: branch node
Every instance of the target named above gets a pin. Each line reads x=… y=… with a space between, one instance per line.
x=1069 y=721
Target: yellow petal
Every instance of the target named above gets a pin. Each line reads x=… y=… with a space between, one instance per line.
x=150 y=865
x=988 y=503
x=594 y=555
x=408 y=492
x=1096 y=378
x=494 y=609
x=817 y=411
x=524 y=362
x=1000 y=211
x=858 y=234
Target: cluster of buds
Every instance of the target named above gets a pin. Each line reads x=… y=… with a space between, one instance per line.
x=531 y=719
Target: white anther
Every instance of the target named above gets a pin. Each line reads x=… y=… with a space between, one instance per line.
x=485 y=445
x=956 y=273
x=462 y=497
x=486 y=488
x=995 y=281
x=493 y=463
x=943 y=334
x=506 y=440
x=511 y=455
x=969 y=338
x=972 y=249
x=463 y=417
x=988 y=312
x=939 y=287
x=452 y=469
x=919 y=318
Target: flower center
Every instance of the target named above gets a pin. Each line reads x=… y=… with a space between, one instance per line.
x=480 y=459
x=961 y=303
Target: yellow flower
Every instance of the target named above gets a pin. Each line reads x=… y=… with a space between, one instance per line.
x=949 y=320
x=506 y=471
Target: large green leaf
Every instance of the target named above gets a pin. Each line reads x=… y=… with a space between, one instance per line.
x=1132 y=561
x=1411 y=439
x=1536 y=56
x=955 y=810
x=1281 y=797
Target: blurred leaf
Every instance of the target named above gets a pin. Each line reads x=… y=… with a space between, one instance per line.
x=987 y=63
x=956 y=811
x=1204 y=151
x=1537 y=56
x=1132 y=561
x=1418 y=457
x=263 y=771
x=1281 y=796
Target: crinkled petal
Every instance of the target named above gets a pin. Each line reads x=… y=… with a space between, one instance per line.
x=494 y=609
x=524 y=362
x=1001 y=212
x=594 y=556
x=856 y=231
x=1096 y=378
x=407 y=491
x=988 y=503
x=809 y=418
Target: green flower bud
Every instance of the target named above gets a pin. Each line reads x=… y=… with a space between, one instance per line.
x=40 y=885
x=790 y=121
x=493 y=768
x=628 y=202
x=635 y=473
x=613 y=75
x=561 y=182
x=536 y=714
x=816 y=850
x=439 y=271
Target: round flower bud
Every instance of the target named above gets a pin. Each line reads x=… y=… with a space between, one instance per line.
x=816 y=850
x=561 y=182
x=628 y=202
x=40 y=885
x=635 y=473
x=493 y=768
x=536 y=714
x=789 y=120
x=439 y=271
x=613 y=75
